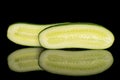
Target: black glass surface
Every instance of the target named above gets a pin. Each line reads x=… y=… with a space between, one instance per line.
x=7 y=47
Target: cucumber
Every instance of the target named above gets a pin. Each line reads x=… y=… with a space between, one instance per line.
x=26 y=34
x=76 y=35
x=76 y=63
x=24 y=60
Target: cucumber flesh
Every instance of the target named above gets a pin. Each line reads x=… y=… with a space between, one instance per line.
x=76 y=35
x=26 y=34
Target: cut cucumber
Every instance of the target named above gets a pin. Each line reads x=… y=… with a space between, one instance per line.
x=76 y=63
x=26 y=34
x=76 y=35
x=24 y=60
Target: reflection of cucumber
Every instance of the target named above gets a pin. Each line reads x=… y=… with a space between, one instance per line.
x=75 y=63
x=76 y=35
x=26 y=34
x=24 y=60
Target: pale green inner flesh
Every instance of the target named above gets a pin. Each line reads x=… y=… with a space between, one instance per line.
x=28 y=34
x=77 y=35
x=76 y=62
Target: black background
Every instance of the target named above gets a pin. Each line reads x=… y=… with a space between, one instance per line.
x=107 y=20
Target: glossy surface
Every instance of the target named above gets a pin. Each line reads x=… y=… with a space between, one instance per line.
x=24 y=60
x=108 y=20
x=76 y=63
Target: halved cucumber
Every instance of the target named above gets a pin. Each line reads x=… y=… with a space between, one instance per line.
x=24 y=60
x=76 y=35
x=26 y=34
x=76 y=63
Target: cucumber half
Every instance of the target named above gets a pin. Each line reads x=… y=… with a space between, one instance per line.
x=76 y=63
x=76 y=35
x=26 y=34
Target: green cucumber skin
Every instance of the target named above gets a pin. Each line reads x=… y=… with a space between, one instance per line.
x=103 y=55
x=72 y=23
